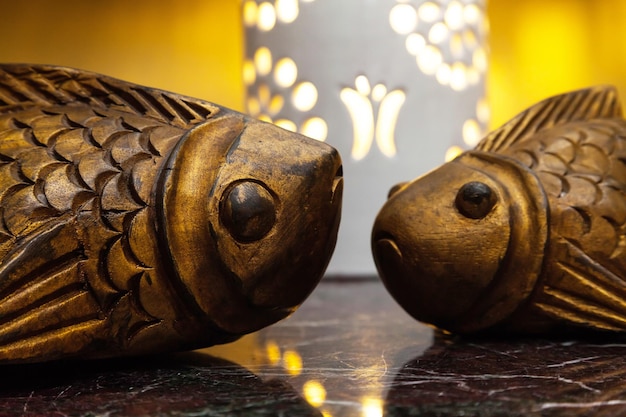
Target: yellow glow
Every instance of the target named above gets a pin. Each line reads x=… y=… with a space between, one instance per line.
x=469 y=38
x=263 y=61
x=264 y=94
x=362 y=116
x=326 y=413
x=471 y=132
x=429 y=11
x=287 y=10
x=453 y=152
x=471 y=14
x=438 y=33
x=458 y=77
x=568 y=45
x=362 y=85
x=272 y=350
x=443 y=74
x=379 y=92
x=254 y=107
x=292 y=362
x=286 y=72
x=429 y=59
x=315 y=128
x=264 y=118
x=386 y=123
x=276 y=104
x=250 y=11
x=454 y=15
x=249 y=72
x=473 y=76
x=403 y=18
x=415 y=43
x=483 y=112
x=372 y=407
x=456 y=46
x=287 y=125
x=479 y=59
x=304 y=96
x=266 y=17
x=314 y=392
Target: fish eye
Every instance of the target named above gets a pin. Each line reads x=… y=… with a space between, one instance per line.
x=248 y=211
x=475 y=200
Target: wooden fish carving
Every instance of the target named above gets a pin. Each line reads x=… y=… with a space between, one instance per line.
x=526 y=233
x=134 y=220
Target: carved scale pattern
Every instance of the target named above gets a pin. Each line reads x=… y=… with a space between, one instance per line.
x=582 y=167
x=77 y=149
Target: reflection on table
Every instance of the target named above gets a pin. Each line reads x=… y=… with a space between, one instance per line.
x=349 y=351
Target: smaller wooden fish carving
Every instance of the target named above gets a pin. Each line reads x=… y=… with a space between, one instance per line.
x=133 y=220
x=526 y=233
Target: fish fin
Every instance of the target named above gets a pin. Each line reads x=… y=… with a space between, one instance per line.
x=47 y=309
x=590 y=103
x=23 y=86
x=581 y=291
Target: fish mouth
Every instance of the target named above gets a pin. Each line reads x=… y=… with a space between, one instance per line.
x=387 y=255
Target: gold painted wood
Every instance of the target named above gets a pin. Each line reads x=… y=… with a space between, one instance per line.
x=134 y=220
x=526 y=233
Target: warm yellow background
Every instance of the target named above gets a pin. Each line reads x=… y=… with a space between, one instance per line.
x=191 y=47
x=194 y=47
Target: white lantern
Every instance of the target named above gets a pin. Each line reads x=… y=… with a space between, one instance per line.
x=397 y=86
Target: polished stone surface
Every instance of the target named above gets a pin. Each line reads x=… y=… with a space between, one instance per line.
x=349 y=351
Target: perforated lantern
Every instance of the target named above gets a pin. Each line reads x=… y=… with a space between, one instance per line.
x=397 y=86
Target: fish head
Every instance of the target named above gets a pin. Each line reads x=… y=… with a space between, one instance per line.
x=261 y=207
x=444 y=242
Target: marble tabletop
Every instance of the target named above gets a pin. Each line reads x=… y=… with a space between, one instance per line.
x=349 y=351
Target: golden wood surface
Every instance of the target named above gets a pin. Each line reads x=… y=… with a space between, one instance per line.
x=526 y=233
x=133 y=220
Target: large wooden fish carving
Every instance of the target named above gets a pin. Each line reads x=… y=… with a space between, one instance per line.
x=134 y=220
x=526 y=233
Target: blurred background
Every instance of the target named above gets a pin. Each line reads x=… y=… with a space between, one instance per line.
x=534 y=49
x=195 y=47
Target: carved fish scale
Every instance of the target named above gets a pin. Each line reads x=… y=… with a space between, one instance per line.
x=118 y=231
x=95 y=170
x=582 y=169
x=539 y=209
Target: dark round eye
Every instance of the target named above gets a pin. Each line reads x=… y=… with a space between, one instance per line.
x=248 y=211
x=475 y=200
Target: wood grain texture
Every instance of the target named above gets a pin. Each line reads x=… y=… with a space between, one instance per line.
x=558 y=173
x=87 y=265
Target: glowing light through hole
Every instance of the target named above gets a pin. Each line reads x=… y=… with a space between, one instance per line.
x=249 y=72
x=429 y=60
x=286 y=124
x=250 y=12
x=263 y=61
x=429 y=11
x=438 y=33
x=266 y=18
x=359 y=103
x=287 y=10
x=415 y=43
x=471 y=132
x=304 y=96
x=315 y=128
x=403 y=18
x=454 y=15
x=453 y=152
x=286 y=72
